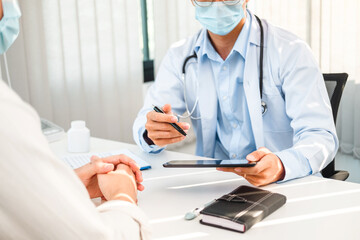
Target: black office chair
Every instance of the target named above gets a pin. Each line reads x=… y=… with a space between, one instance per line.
x=335 y=83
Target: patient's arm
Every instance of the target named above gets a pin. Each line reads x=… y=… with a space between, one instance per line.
x=42 y=197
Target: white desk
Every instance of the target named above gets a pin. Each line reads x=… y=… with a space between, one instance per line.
x=316 y=208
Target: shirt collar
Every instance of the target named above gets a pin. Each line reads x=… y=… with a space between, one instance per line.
x=255 y=30
x=204 y=47
x=243 y=40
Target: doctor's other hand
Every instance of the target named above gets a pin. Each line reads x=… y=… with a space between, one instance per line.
x=159 y=131
x=88 y=173
x=268 y=169
x=119 y=184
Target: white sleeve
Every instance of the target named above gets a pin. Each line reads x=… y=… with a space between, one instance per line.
x=315 y=142
x=41 y=197
x=167 y=89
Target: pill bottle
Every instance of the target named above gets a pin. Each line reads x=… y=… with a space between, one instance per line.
x=78 y=137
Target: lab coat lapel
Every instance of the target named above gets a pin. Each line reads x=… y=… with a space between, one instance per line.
x=208 y=107
x=251 y=83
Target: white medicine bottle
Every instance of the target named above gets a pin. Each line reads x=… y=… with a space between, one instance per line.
x=78 y=137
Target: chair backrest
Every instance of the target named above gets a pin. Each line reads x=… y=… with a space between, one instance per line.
x=335 y=83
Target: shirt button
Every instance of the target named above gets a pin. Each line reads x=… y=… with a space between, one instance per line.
x=233 y=156
x=235 y=125
x=224 y=68
x=225 y=97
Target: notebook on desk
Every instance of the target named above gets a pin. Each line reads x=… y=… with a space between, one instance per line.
x=242 y=208
x=78 y=160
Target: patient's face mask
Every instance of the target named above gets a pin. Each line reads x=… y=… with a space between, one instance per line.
x=9 y=24
x=219 y=17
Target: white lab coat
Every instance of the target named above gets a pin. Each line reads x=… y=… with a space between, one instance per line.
x=41 y=197
x=298 y=125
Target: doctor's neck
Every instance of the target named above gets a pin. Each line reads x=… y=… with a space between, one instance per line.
x=224 y=44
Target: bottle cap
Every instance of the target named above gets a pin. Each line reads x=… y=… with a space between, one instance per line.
x=78 y=124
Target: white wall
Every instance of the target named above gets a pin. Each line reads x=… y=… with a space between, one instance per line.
x=81 y=60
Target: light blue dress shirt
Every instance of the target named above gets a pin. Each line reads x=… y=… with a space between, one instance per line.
x=234 y=138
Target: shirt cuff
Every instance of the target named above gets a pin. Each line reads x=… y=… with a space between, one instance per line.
x=295 y=165
x=145 y=146
x=130 y=210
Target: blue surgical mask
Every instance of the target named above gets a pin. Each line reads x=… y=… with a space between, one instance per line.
x=219 y=18
x=9 y=24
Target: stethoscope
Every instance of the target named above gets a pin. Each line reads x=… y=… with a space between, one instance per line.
x=189 y=113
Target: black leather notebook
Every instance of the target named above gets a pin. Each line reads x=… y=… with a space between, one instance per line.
x=242 y=208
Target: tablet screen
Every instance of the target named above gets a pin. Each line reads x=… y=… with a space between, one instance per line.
x=210 y=163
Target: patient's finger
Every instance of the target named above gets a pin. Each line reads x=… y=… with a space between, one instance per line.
x=140 y=187
x=96 y=166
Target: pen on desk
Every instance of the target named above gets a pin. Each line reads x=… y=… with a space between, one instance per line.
x=179 y=129
x=196 y=212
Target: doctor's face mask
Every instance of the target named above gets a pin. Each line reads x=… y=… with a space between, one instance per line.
x=219 y=17
x=9 y=24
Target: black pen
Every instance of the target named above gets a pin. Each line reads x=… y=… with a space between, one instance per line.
x=179 y=129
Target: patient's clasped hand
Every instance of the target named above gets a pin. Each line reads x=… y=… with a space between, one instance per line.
x=112 y=178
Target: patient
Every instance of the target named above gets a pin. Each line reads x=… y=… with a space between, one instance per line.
x=40 y=196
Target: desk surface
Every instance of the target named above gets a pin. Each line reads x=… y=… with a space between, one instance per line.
x=316 y=208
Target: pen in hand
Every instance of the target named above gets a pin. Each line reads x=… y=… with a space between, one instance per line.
x=179 y=129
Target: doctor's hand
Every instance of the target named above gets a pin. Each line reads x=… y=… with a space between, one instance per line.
x=88 y=173
x=160 y=131
x=268 y=169
x=119 y=184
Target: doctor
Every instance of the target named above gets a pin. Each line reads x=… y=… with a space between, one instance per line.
x=252 y=90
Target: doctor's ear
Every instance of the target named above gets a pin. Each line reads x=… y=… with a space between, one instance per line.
x=1 y=10
x=245 y=4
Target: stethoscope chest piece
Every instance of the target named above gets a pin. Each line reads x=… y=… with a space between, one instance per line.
x=263 y=107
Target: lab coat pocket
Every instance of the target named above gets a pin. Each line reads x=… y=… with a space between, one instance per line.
x=271 y=89
x=275 y=119
x=278 y=141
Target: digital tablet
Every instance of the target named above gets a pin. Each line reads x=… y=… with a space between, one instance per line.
x=208 y=163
